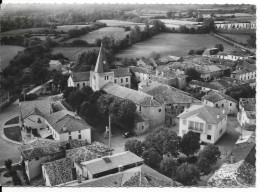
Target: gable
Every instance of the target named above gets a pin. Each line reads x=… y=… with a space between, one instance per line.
x=196 y=118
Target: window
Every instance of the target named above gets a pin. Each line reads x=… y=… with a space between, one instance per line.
x=83 y=84
x=121 y=80
x=201 y=126
x=222 y=105
x=220 y=131
x=115 y=80
x=126 y=79
x=36 y=158
x=209 y=127
x=69 y=133
x=192 y=124
x=78 y=85
x=160 y=110
x=142 y=127
x=184 y=121
x=140 y=108
x=183 y=132
x=230 y=104
x=79 y=136
x=70 y=138
x=208 y=137
x=79 y=131
x=216 y=105
x=39 y=120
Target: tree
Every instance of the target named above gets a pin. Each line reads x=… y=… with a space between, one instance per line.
x=152 y=158
x=207 y=157
x=8 y=164
x=155 y=55
x=192 y=74
x=135 y=146
x=191 y=52
x=103 y=105
x=190 y=143
x=168 y=167
x=220 y=47
x=252 y=41
x=209 y=24
x=187 y=174
x=164 y=141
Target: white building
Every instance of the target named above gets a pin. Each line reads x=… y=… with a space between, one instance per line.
x=220 y=100
x=55 y=65
x=208 y=122
x=79 y=79
x=247 y=111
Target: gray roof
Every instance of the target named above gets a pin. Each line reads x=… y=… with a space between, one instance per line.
x=101 y=164
x=101 y=64
x=214 y=96
x=80 y=76
x=121 y=72
x=140 y=70
x=137 y=97
x=208 y=114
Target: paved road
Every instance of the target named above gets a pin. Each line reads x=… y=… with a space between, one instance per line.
x=8 y=150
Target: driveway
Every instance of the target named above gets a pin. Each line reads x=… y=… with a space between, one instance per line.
x=8 y=150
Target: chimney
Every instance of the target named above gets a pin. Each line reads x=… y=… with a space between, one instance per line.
x=218 y=116
x=223 y=111
x=120 y=168
x=64 y=128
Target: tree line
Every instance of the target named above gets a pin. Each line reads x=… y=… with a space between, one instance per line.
x=161 y=150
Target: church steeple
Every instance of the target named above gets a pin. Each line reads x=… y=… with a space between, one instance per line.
x=101 y=65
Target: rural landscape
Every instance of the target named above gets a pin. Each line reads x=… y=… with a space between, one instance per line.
x=128 y=95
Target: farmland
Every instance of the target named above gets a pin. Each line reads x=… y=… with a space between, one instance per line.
x=117 y=32
x=172 y=44
x=23 y=31
x=66 y=28
x=239 y=38
x=72 y=52
x=7 y=53
x=113 y=23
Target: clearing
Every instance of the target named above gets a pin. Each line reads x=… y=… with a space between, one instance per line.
x=13 y=133
x=7 y=53
x=66 y=28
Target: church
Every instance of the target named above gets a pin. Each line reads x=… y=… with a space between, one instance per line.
x=117 y=82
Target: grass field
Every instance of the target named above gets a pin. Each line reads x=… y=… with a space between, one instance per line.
x=22 y=31
x=7 y=52
x=13 y=133
x=239 y=38
x=117 y=32
x=172 y=44
x=66 y=28
x=113 y=23
x=72 y=52
x=14 y=120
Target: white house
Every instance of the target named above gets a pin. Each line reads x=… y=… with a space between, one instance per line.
x=247 y=111
x=55 y=65
x=208 y=122
x=231 y=56
x=244 y=74
x=79 y=79
x=220 y=100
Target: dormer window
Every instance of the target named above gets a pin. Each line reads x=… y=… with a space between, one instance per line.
x=39 y=120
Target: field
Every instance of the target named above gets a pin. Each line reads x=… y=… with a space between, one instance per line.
x=7 y=53
x=13 y=133
x=72 y=52
x=172 y=44
x=178 y=22
x=22 y=31
x=113 y=23
x=117 y=32
x=66 y=28
x=239 y=38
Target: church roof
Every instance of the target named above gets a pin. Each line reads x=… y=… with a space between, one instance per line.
x=101 y=65
x=80 y=76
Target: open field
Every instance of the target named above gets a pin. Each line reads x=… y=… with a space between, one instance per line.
x=178 y=22
x=7 y=52
x=13 y=133
x=117 y=32
x=66 y=28
x=23 y=31
x=172 y=44
x=237 y=31
x=113 y=23
x=72 y=52
x=239 y=38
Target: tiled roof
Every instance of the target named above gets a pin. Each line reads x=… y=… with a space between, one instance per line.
x=43 y=107
x=59 y=171
x=164 y=93
x=140 y=70
x=137 y=97
x=102 y=164
x=208 y=69
x=121 y=72
x=203 y=84
x=98 y=147
x=80 y=76
x=81 y=154
x=211 y=51
x=42 y=147
x=214 y=96
x=148 y=62
x=208 y=114
x=168 y=59
x=141 y=176
x=55 y=62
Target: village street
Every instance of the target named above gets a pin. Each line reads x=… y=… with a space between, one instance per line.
x=8 y=150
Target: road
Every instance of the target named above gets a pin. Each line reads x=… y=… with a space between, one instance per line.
x=8 y=150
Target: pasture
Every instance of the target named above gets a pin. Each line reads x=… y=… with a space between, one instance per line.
x=66 y=28
x=72 y=52
x=239 y=38
x=113 y=23
x=172 y=44
x=117 y=32
x=23 y=31
x=7 y=53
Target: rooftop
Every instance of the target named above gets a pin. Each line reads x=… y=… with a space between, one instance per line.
x=111 y=162
x=137 y=97
x=214 y=96
x=164 y=93
x=55 y=62
x=121 y=72
x=101 y=64
x=208 y=114
x=140 y=70
x=80 y=76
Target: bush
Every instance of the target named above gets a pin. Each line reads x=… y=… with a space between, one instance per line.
x=182 y=160
x=192 y=160
x=187 y=174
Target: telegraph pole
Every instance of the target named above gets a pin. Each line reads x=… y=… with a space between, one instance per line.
x=109 y=137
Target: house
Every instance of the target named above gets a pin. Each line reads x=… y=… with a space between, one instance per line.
x=110 y=164
x=140 y=176
x=233 y=25
x=210 y=51
x=247 y=111
x=122 y=77
x=238 y=170
x=244 y=74
x=146 y=104
x=141 y=74
x=4 y=98
x=146 y=63
x=79 y=79
x=208 y=122
x=209 y=72
x=232 y=56
x=38 y=151
x=55 y=65
x=167 y=59
x=220 y=100
x=60 y=125
x=206 y=87
x=141 y=124
x=175 y=100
